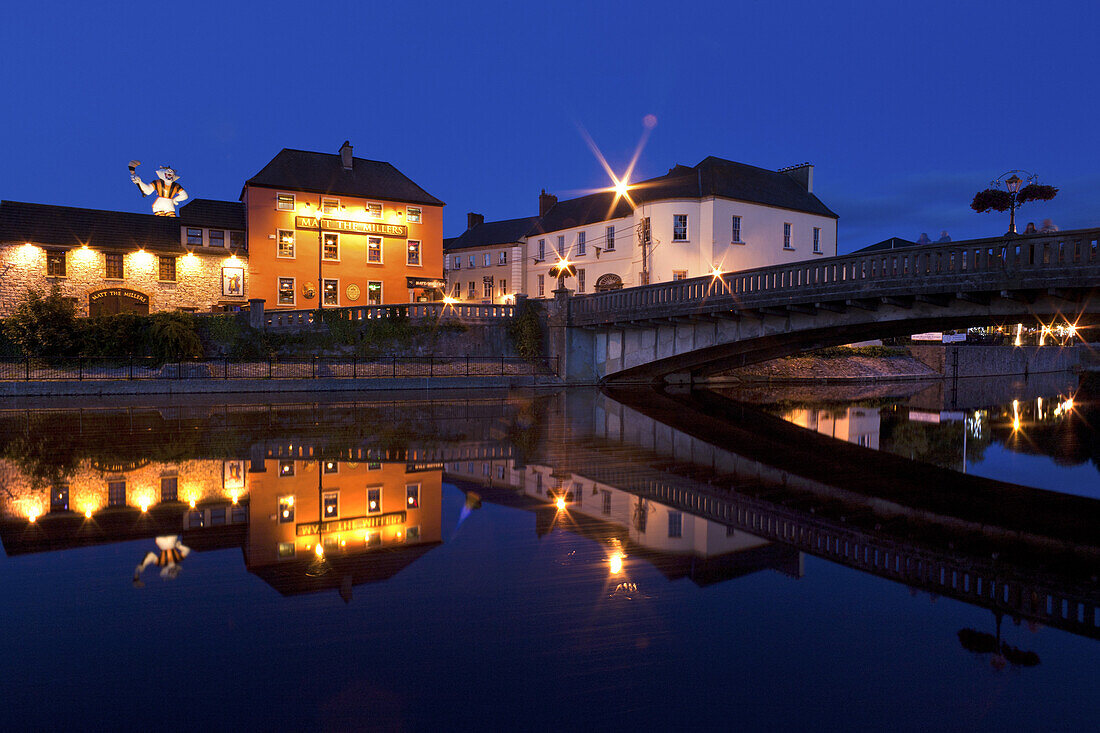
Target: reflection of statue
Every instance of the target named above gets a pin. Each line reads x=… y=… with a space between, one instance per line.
x=166 y=187
x=171 y=554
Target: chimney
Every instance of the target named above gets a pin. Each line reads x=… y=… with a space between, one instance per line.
x=803 y=174
x=472 y=220
x=345 y=155
x=546 y=202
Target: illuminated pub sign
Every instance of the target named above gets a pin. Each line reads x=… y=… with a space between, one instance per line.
x=399 y=231
x=111 y=301
x=427 y=283
x=349 y=525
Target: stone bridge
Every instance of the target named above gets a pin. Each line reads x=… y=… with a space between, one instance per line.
x=691 y=328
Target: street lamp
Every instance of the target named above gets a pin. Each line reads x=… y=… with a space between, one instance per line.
x=1013 y=186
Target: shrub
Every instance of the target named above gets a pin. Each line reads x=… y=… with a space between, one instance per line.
x=171 y=337
x=526 y=331
x=43 y=325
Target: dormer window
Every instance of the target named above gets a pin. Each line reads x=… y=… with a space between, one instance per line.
x=374 y=211
x=330 y=206
x=284 y=202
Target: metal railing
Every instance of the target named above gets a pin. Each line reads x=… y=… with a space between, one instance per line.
x=83 y=369
x=1061 y=259
x=472 y=313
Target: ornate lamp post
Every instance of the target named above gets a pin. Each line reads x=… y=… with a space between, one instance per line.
x=1012 y=196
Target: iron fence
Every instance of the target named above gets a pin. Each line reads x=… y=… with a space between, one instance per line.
x=82 y=369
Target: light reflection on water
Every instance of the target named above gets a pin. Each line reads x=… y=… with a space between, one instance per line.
x=532 y=561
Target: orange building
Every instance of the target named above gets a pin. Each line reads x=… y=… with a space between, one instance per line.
x=380 y=238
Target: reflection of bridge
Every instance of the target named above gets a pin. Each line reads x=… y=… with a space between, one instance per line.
x=710 y=324
x=978 y=541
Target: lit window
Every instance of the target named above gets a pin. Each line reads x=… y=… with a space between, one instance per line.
x=471 y=292
x=374 y=250
x=114 y=269
x=487 y=287
x=286 y=243
x=374 y=500
x=116 y=493
x=736 y=233
x=286 y=509
x=412 y=534
x=412 y=496
x=196 y=519
x=610 y=244
x=414 y=252
x=412 y=214
x=236 y=240
x=679 y=227
x=286 y=291
x=675 y=524
x=456 y=290
x=331 y=241
x=679 y=274
x=167 y=268
x=606 y=497
x=817 y=240
x=332 y=292
x=217 y=238
x=55 y=264
x=286 y=468
x=580 y=280
x=374 y=465
x=542 y=285
x=331 y=467
x=59 y=498
x=503 y=287
x=285 y=550
x=582 y=244
x=374 y=211
x=330 y=504
x=542 y=249
x=458 y=262
x=169 y=488
x=561 y=245
x=488 y=259
x=194 y=237
x=787 y=236
x=284 y=202
x=374 y=293
x=330 y=206
x=502 y=258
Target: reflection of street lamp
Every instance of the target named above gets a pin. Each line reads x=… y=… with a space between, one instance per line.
x=319 y=564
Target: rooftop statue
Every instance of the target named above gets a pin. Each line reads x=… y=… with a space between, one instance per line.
x=167 y=188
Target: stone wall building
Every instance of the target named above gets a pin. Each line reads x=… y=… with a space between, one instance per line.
x=485 y=264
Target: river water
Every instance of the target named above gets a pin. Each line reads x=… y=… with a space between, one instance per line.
x=771 y=558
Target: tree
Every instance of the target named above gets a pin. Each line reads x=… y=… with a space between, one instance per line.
x=1011 y=197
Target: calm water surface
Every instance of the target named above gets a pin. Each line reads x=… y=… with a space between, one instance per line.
x=754 y=559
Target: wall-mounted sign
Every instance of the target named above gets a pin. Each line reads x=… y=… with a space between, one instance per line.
x=232 y=281
x=349 y=525
x=133 y=295
x=427 y=283
x=399 y=231
x=421 y=467
x=110 y=301
x=353 y=292
x=233 y=475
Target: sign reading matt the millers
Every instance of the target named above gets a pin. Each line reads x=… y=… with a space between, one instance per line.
x=357 y=227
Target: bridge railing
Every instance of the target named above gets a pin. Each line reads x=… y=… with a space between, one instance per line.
x=293 y=320
x=976 y=262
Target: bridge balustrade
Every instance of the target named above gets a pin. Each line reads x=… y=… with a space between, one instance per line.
x=1035 y=261
x=293 y=320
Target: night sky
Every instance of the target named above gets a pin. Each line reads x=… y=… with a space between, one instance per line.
x=906 y=110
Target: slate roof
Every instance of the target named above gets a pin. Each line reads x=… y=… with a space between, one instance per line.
x=490 y=233
x=711 y=177
x=66 y=226
x=213 y=214
x=301 y=170
x=891 y=243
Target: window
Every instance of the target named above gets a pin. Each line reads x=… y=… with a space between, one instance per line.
x=374 y=500
x=374 y=211
x=582 y=244
x=606 y=497
x=374 y=465
x=114 y=266
x=169 y=488
x=286 y=291
x=538 y=483
x=55 y=264
x=647 y=237
x=503 y=287
x=412 y=496
x=471 y=292
x=679 y=274
x=817 y=240
x=787 y=236
x=330 y=504
x=561 y=246
x=374 y=292
x=285 y=550
x=286 y=468
x=217 y=238
x=284 y=202
x=487 y=287
x=331 y=292
x=412 y=534
x=580 y=281
x=331 y=242
x=196 y=519
x=736 y=231
x=374 y=250
x=675 y=524
x=679 y=227
x=330 y=206
x=458 y=262
x=502 y=257
x=473 y=262
x=488 y=259
x=456 y=290
x=331 y=467
x=609 y=245
x=542 y=249
x=236 y=240
x=217 y=516
x=116 y=493
x=59 y=498
x=286 y=243
x=414 y=252
x=167 y=268
x=194 y=237
x=286 y=509
x=412 y=214
x=542 y=285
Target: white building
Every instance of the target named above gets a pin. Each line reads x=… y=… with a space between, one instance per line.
x=686 y=223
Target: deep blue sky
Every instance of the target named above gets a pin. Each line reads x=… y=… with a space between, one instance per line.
x=906 y=109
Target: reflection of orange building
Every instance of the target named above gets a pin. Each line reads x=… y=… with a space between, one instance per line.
x=351 y=510
x=380 y=240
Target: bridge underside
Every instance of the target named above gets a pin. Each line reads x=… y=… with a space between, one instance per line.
x=707 y=343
